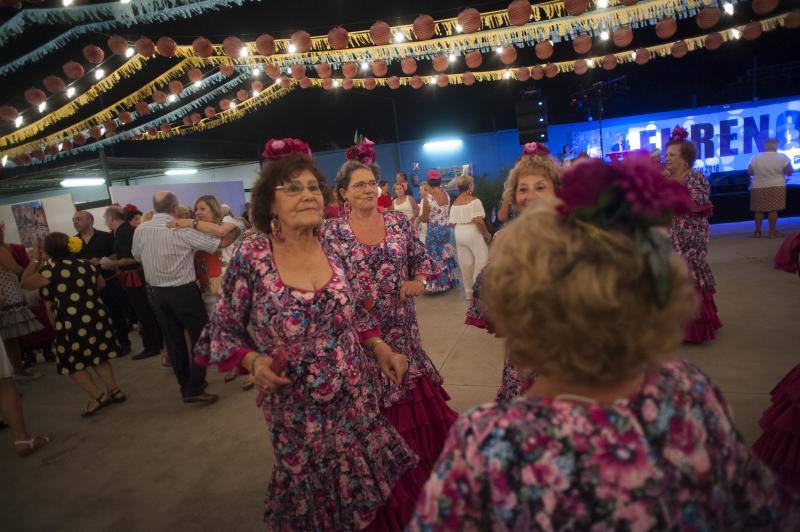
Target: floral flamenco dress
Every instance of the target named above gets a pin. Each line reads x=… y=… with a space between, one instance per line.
x=439 y=247
x=689 y=235
x=417 y=408
x=336 y=457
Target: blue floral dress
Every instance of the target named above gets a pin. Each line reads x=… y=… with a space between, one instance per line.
x=336 y=457
x=668 y=458
x=439 y=247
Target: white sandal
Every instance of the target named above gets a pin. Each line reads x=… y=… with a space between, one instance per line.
x=31 y=446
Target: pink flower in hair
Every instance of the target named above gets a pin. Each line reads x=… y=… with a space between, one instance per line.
x=535 y=148
x=679 y=134
x=276 y=148
x=363 y=152
x=434 y=174
x=647 y=191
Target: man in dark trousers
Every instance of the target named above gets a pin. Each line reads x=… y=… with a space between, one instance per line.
x=131 y=277
x=167 y=256
x=96 y=245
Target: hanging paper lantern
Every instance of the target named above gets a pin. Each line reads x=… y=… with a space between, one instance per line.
x=324 y=70
x=379 y=68
x=468 y=78
x=273 y=71
x=175 y=86
x=145 y=47
x=227 y=70
x=142 y=108
x=203 y=47
x=66 y=145
x=349 y=69
x=118 y=45
x=370 y=83
x=110 y=134
x=22 y=159
x=752 y=31
x=440 y=63
x=424 y=27
x=581 y=66
x=224 y=104
x=327 y=84
x=338 y=38
x=629 y=3
x=195 y=74
x=711 y=42
x=609 y=62
x=265 y=44
x=51 y=149
x=302 y=41
x=8 y=113
x=165 y=128
x=151 y=131
x=519 y=12
x=95 y=132
x=304 y=83
x=582 y=43
x=256 y=85
x=196 y=118
x=576 y=7
x=522 y=74
x=160 y=97
x=232 y=46
x=708 y=17
x=166 y=46
x=298 y=71
x=623 y=36
x=679 y=49
x=762 y=7
x=642 y=56
x=393 y=82
x=666 y=28
x=408 y=65
x=537 y=73
x=416 y=82
x=39 y=154
x=110 y=125
x=125 y=117
x=54 y=84
x=551 y=70
x=241 y=95
x=380 y=33
x=470 y=20
x=187 y=121
x=347 y=84
x=73 y=70
x=35 y=96
x=508 y=55
x=544 y=50
x=473 y=59
x=792 y=20
x=10 y=3
x=285 y=82
x=79 y=139
x=93 y=54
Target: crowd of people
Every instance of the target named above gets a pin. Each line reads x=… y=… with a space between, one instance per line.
x=600 y=272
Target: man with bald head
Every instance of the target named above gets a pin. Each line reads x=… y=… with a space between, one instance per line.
x=167 y=257
x=96 y=245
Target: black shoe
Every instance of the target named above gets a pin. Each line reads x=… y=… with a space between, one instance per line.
x=201 y=398
x=145 y=354
x=124 y=350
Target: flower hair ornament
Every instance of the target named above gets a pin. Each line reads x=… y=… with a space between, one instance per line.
x=276 y=148
x=434 y=175
x=630 y=196
x=74 y=244
x=363 y=152
x=679 y=134
x=130 y=208
x=535 y=148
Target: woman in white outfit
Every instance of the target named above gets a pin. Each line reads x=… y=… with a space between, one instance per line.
x=422 y=227
x=467 y=216
x=404 y=203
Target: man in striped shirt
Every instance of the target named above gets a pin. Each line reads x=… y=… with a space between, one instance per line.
x=167 y=257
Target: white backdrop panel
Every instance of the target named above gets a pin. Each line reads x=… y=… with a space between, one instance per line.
x=230 y=192
x=57 y=209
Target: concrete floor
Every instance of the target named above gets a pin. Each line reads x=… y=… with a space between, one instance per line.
x=154 y=463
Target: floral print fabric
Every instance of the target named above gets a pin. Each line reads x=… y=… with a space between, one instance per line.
x=666 y=458
x=689 y=232
x=439 y=248
x=336 y=457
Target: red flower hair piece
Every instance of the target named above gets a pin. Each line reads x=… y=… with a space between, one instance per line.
x=434 y=174
x=679 y=134
x=130 y=208
x=363 y=152
x=276 y=148
x=535 y=148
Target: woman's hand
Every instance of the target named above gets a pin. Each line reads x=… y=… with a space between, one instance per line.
x=393 y=365
x=267 y=380
x=411 y=289
x=180 y=222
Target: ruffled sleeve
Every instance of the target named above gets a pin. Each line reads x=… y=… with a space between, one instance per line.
x=700 y=192
x=419 y=263
x=225 y=340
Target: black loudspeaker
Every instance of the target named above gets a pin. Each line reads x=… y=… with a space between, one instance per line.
x=532 y=120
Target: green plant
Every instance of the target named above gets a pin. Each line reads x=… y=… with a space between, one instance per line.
x=490 y=192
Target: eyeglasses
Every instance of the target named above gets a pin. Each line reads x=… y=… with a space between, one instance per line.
x=361 y=185
x=294 y=188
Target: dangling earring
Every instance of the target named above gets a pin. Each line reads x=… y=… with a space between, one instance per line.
x=346 y=209
x=275 y=226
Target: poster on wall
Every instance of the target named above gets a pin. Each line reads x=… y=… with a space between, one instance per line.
x=31 y=222
x=450 y=173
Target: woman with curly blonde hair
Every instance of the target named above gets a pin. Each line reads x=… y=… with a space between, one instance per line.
x=612 y=435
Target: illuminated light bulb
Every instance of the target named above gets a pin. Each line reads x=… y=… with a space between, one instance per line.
x=233 y=105
x=102 y=130
x=735 y=33
x=364 y=65
x=256 y=94
x=124 y=1
x=66 y=3
x=5 y=159
x=499 y=49
x=452 y=58
x=459 y=29
x=590 y=63
x=399 y=37
x=602 y=4
x=633 y=56
x=99 y=73
x=129 y=52
x=507 y=74
x=244 y=52
x=728 y=8
x=171 y=98
x=604 y=35
x=18 y=121
x=42 y=107
x=433 y=80
x=60 y=145
x=256 y=72
x=292 y=48
x=70 y=92
x=197 y=84
x=336 y=84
